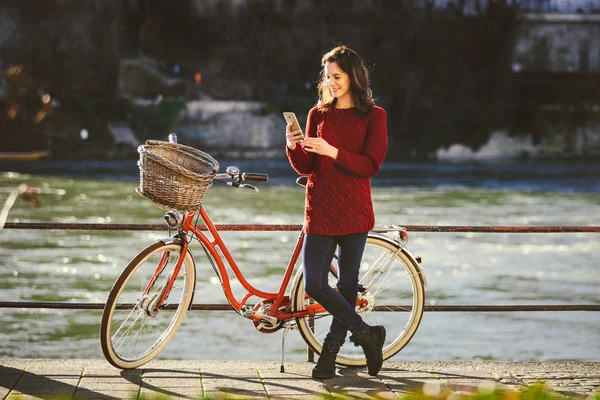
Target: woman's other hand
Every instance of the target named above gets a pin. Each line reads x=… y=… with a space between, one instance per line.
x=293 y=137
x=320 y=146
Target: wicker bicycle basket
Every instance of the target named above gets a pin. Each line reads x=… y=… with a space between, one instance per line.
x=175 y=176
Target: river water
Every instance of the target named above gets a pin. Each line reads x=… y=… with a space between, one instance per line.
x=461 y=268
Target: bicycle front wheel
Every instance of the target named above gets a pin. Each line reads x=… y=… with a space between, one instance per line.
x=133 y=330
x=391 y=294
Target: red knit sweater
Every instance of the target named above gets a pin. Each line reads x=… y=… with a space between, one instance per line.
x=338 y=192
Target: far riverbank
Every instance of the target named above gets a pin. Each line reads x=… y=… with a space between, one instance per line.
x=525 y=175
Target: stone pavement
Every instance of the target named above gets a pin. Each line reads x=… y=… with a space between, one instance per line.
x=192 y=379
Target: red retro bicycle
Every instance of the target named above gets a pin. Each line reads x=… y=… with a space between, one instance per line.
x=155 y=290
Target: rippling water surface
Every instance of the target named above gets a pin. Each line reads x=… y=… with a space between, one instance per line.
x=461 y=268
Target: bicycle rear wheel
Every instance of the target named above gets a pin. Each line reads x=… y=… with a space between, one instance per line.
x=395 y=299
x=133 y=331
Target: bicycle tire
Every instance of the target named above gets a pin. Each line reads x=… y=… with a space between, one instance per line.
x=147 y=331
x=401 y=285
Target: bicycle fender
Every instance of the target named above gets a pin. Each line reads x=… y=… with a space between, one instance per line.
x=170 y=240
x=174 y=240
x=407 y=253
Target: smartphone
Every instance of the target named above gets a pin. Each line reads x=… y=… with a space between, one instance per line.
x=291 y=117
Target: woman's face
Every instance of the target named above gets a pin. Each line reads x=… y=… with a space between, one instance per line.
x=338 y=82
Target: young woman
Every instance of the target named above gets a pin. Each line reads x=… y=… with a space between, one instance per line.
x=345 y=144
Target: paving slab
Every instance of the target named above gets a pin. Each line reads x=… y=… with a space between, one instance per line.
x=404 y=380
x=295 y=382
x=106 y=394
x=172 y=383
x=27 y=397
x=236 y=384
x=356 y=383
x=40 y=385
x=8 y=379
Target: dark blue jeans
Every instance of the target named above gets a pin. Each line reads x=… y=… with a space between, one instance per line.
x=317 y=254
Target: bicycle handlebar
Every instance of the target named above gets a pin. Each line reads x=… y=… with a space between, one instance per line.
x=233 y=177
x=249 y=176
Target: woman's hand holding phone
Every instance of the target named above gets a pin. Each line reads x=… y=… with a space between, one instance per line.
x=293 y=133
x=293 y=137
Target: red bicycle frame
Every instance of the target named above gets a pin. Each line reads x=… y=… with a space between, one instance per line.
x=279 y=298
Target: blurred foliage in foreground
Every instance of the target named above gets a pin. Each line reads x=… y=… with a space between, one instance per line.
x=537 y=391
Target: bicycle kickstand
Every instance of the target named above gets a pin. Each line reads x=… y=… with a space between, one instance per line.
x=286 y=329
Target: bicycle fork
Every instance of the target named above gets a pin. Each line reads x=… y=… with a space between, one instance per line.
x=169 y=285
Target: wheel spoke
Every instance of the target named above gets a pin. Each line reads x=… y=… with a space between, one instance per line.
x=127 y=330
x=133 y=310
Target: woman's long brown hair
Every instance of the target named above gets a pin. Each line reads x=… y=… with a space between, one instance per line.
x=353 y=65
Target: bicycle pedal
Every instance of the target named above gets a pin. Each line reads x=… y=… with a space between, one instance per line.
x=247 y=311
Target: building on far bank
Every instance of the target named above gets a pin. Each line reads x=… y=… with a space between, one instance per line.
x=557 y=43
x=210 y=7
x=556 y=79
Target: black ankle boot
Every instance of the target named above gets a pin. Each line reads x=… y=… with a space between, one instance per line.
x=325 y=368
x=371 y=339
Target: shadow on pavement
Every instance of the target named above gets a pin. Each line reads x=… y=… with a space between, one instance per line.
x=44 y=386
x=224 y=389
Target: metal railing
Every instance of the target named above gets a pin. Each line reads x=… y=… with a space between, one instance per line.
x=291 y=227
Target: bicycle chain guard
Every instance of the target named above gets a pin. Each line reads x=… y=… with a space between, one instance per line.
x=264 y=326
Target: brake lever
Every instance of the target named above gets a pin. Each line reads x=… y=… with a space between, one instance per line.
x=236 y=184
x=246 y=185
